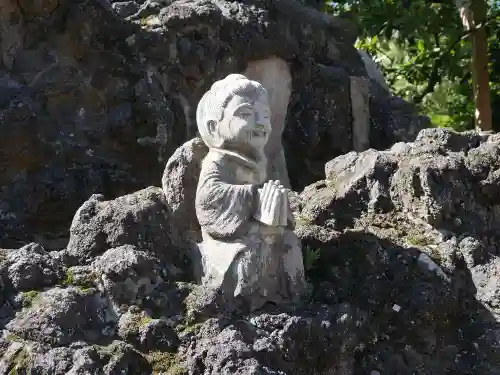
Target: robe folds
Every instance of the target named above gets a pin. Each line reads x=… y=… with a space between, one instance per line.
x=245 y=258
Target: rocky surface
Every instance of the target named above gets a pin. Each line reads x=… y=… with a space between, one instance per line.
x=179 y=184
x=416 y=228
x=400 y=242
x=400 y=248
x=96 y=95
x=142 y=218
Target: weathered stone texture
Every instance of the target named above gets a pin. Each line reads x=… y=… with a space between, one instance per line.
x=95 y=98
x=141 y=219
x=395 y=285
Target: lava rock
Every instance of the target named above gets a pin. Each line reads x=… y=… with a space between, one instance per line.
x=276 y=343
x=140 y=219
x=126 y=275
x=146 y=333
x=112 y=90
x=31 y=267
x=59 y=316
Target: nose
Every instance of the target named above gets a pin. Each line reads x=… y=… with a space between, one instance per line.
x=261 y=120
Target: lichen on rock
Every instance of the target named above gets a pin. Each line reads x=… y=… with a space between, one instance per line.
x=401 y=241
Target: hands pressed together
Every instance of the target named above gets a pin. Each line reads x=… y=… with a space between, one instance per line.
x=272 y=206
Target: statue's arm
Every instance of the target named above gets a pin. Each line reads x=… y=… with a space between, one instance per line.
x=224 y=210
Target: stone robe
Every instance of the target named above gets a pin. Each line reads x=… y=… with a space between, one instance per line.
x=250 y=261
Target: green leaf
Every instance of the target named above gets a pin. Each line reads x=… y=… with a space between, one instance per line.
x=420 y=46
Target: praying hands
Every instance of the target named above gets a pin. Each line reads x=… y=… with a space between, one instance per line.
x=272 y=206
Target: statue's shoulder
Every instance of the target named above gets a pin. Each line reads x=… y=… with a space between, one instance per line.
x=221 y=157
x=214 y=157
x=214 y=163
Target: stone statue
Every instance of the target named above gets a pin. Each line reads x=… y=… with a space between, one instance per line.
x=249 y=250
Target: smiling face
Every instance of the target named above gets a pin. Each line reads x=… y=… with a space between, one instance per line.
x=247 y=122
x=235 y=115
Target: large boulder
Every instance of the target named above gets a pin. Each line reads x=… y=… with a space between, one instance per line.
x=60 y=316
x=95 y=98
x=140 y=219
x=414 y=302
x=316 y=340
x=30 y=267
x=445 y=179
x=410 y=235
x=127 y=275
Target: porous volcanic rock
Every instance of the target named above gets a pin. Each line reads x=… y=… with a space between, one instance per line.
x=96 y=95
x=127 y=275
x=30 y=267
x=60 y=316
x=318 y=340
x=445 y=179
x=140 y=219
x=399 y=281
x=410 y=235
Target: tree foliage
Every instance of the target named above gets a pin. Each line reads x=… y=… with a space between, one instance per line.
x=425 y=53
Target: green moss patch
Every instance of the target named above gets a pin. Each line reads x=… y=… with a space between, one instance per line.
x=30 y=297
x=19 y=363
x=85 y=283
x=165 y=363
x=418 y=239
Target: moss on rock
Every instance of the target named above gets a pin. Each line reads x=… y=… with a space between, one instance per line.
x=30 y=297
x=19 y=363
x=165 y=363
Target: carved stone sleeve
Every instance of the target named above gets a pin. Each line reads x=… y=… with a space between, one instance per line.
x=224 y=210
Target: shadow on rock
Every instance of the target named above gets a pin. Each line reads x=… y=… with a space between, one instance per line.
x=112 y=89
x=419 y=319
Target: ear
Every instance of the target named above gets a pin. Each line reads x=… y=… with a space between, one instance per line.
x=212 y=127
x=213 y=131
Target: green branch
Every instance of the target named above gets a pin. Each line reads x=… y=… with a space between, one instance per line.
x=435 y=77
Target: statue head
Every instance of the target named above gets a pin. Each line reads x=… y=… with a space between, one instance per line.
x=235 y=115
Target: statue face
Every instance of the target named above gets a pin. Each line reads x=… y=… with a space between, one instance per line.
x=247 y=122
